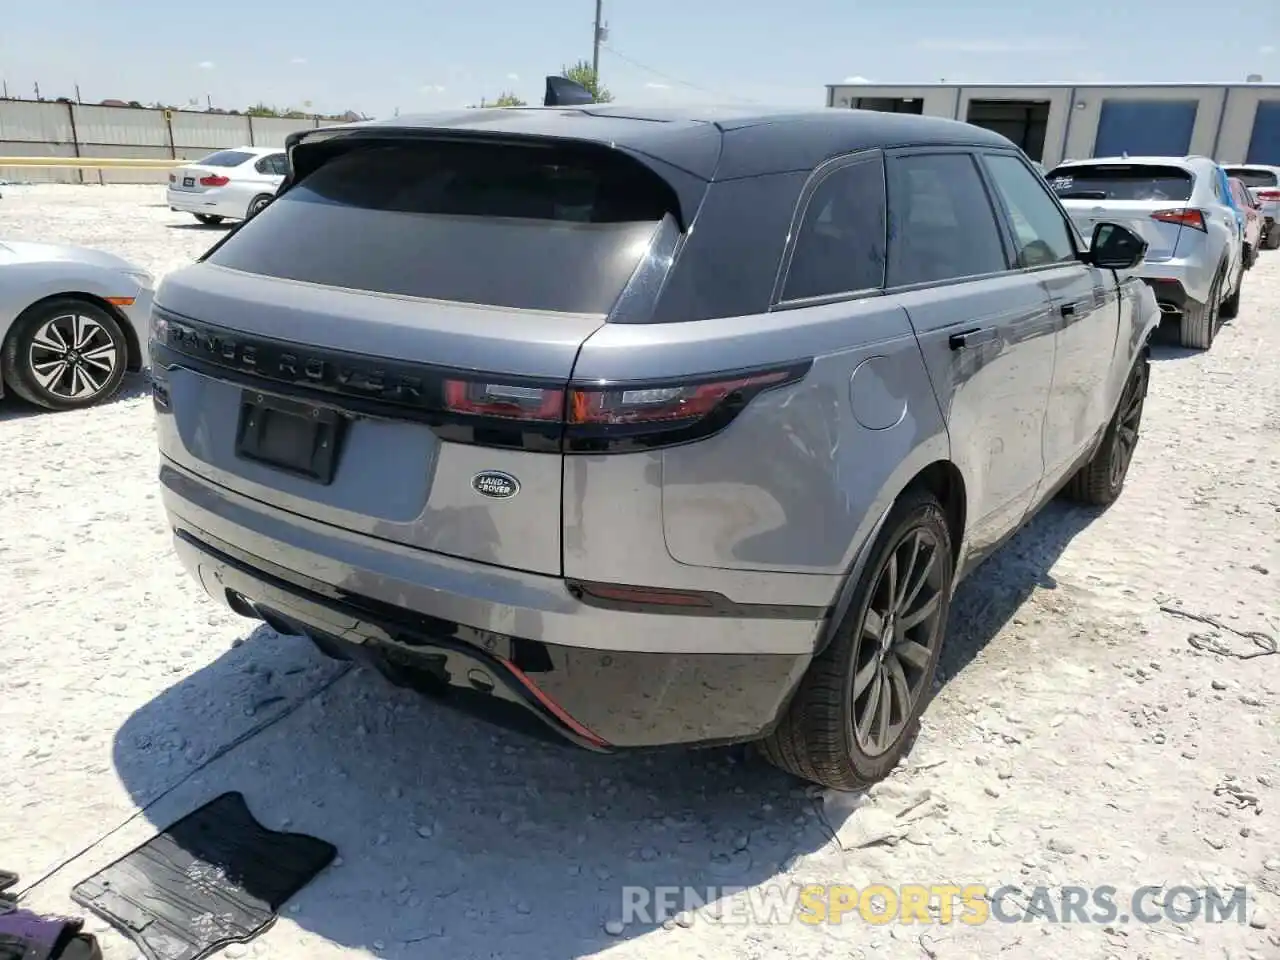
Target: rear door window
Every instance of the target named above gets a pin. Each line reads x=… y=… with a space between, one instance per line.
x=546 y=227
x=941 y=222
x=225 y=158
x=1139 y=181
x=1040 y=232
x=840 y=246
x=1254 y=178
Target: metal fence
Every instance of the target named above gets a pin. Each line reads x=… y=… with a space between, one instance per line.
x=30 y=128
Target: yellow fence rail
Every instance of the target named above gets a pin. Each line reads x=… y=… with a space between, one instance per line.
x=91 y=163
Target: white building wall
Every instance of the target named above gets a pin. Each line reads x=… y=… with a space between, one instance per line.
x=1224 y=114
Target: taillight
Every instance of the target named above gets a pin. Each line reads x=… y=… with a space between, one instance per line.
x=618 y=416
x=504 y=401
x=1268 y=195
x=172 y=178
x=214 y=180
x=605 y=417
x=1185 y=216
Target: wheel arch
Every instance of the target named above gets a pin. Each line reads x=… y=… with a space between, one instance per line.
x=134 y=361
x=943 y=480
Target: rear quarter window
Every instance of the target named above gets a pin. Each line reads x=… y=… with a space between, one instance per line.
x=1121 y=182
x=549 y=228
x=225 y=158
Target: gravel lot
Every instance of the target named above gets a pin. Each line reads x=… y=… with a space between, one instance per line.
x=1084 y=735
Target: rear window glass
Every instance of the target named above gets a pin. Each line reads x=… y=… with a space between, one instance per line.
x=550 y=228
x=1253 y=178
x=1120 y=182
x=226 y=158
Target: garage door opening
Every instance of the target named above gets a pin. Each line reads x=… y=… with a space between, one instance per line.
x=890 y=104
x=1022 y=121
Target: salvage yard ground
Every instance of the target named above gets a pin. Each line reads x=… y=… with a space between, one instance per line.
x=1085 y=732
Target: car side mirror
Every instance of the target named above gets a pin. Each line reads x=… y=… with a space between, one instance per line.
x=1115 y=247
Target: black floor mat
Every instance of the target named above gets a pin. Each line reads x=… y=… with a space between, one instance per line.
x=215 y=877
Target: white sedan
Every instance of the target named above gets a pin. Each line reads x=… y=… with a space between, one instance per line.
x=228 y=185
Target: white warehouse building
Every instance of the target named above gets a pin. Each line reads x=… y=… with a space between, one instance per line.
x=1233 y=123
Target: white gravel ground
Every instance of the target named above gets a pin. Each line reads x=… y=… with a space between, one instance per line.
x=1081 y=736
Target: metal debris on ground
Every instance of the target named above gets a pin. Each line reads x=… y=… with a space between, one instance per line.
x=1265 y=643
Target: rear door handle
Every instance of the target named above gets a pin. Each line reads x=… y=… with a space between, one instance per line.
x=971 y=337
x=1068 y=309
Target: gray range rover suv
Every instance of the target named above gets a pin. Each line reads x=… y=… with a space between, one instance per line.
x=651 y=426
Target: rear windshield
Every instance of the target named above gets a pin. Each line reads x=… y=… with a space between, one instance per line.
x=1120 y=182
x=226 y=158
x=1253 y=178
x=556 y=228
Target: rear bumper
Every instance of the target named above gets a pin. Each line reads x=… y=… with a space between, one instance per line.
x=213 y=202
x=1176 y=281
x=598 y=699
x=495 y=638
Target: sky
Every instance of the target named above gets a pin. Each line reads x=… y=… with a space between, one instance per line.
x=380 y=56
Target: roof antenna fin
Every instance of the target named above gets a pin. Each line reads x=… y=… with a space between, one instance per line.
x=563 y=92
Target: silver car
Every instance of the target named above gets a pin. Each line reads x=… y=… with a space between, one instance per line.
x=1181 y=206
x=653 y=427
x=72 y=321
x=1263 y=183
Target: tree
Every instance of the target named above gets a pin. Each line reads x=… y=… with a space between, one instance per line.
x=582 y=74
x=509 y=99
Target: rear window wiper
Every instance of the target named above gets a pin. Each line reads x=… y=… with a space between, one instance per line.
x=1083 y=195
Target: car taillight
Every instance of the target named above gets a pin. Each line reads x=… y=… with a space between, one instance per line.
x=214 y=180
x=173 y=178
x=504 y=401
x=1268 y=195
x=618 y=416
x=1186 y=216
x=612 y=417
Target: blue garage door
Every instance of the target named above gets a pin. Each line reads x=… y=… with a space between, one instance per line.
x=1145 y=128
x=1264 y=144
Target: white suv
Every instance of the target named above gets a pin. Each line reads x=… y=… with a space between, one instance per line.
x=1182 y=207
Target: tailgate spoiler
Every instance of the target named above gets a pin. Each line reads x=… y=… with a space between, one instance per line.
x=687 y=162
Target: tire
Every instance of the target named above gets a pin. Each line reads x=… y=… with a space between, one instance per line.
x=1200 y=320
x=819 y=737
x=208 y=218
x=257 y=205
x=1230 y=308
x=1100 y=481
x=1272 y=239
x=37 y=345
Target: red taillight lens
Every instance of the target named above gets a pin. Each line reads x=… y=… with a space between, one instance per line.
x=172 y=178
x=504 y=401
x=214 y=180
x=1186 y=216
x=1266 y=195
x=626 y=405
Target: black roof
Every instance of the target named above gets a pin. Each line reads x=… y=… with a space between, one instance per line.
x=717 y=143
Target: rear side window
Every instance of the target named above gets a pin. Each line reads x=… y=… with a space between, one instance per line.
x=840 y=246
x=1139 y=181
x=1040 y=232
x=1254 y=178
x=552 y=228
x=941 y=223
x=225 y=158
x=274 y=165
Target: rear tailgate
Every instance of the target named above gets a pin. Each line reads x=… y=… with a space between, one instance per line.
x=1130 y=195
x=425 y=303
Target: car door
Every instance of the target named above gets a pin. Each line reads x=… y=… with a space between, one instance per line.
x=985 y=330
x=1084 y=301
